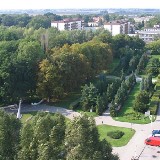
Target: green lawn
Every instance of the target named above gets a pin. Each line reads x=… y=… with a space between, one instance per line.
x=67 y=100
x=90 y=114
x=104 y=129
x=127 y=114
x=27 y=116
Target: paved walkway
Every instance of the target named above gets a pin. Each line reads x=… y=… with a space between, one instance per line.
x=135 y=146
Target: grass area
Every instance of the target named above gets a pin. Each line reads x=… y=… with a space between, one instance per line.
x=127 y=114
x=28 y=115
x=104 y=129
x=90 y=114
x=155 y=56
x=67 y=100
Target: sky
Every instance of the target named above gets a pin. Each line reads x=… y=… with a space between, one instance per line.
x=76 y=4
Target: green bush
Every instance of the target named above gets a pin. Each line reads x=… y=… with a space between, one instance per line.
x=115 y=134
x=133 y=116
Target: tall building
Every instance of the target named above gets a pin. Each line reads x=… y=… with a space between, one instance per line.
x=68 y=24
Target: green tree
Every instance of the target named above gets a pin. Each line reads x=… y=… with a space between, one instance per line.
x=43 y=138
x=110 y=92
x=25 y=68
x=48 y=79
x=100 y=106
x=9 y=136
x=112 y=109
x=141 y=101
x=89 y=95
x=8 y=20
x=7 y=54
x=82 y=141
x=39 y=21
x=26 y=140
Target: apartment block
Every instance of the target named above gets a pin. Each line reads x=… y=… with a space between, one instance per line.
x=118 y=27
x=68 y=24
x=149 y=35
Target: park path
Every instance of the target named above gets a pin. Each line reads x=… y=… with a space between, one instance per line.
x=134 y=147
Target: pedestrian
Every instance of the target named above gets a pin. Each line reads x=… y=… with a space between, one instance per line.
x=102 y=122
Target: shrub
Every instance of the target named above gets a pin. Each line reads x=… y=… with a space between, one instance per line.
x=115 y=134
x=133 y=116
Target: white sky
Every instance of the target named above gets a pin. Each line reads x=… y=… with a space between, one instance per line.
x=58 y=4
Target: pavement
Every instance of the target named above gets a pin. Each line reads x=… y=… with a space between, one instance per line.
x=134 y=148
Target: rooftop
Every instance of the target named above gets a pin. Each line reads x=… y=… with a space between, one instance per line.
x=67 y=20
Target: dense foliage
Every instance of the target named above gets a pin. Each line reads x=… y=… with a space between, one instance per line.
x=38 y=61
x=46 y=137
x=9 y=136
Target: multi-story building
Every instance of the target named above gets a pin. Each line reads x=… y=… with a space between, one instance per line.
x=93 y=24
x=118 y=27
x=68 y=24
x=149 y=35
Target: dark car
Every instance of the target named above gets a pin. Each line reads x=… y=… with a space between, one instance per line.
x=156 y=133
x=153 y=141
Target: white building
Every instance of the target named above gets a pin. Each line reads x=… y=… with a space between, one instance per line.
x=68 y=24
x=149 y=34
x=118 y=27
x=93 y=24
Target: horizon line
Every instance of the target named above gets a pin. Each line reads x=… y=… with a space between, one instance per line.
x=74 y=8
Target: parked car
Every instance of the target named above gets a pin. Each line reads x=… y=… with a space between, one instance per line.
x=156 y=133
x=153 y=141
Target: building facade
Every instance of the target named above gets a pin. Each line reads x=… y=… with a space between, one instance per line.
x=68 y=24
x=149 y=35
x=118 y=27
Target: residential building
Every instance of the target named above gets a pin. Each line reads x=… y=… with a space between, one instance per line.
x=118 y=27
x=96 y=21
x=68 y=24
x=93 y=24
x=149 y=34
